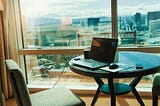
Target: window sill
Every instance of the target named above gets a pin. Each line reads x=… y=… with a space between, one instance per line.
x=79 y=50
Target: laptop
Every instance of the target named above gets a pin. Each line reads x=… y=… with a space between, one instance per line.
x=101 y=54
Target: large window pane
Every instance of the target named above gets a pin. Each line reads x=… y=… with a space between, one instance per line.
x=141 y=19
x=65 y=23
x=53 y=70
x=52 y=23
x=57 y=23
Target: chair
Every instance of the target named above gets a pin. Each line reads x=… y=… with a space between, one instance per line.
x=2 y=99
x=59 y=96
x=156 y=89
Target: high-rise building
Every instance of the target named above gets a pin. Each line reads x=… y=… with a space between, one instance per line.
x=153 y=16
x=154 y=27
x=138 y=21
x=93 y=21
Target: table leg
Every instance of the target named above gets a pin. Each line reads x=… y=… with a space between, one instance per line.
x=100 y=83
x=137 y=96
x=112 y=92
x=96 y=96
x=133 y=85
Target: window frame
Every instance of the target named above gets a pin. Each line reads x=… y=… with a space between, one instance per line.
x=79 y=50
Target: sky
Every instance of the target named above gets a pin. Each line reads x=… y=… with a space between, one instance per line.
x=85 y=8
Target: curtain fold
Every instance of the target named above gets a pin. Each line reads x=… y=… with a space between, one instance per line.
x=10 y=32
x=3 y=53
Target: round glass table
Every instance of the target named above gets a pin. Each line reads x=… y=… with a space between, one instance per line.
x=137 y=64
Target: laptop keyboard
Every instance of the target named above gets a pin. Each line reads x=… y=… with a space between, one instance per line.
x=90 y=63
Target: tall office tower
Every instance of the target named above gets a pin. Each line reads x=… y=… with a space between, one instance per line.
x=153 y=16
x=44 y=41
x=154 y=27
x=138 y=21
x=93 y=21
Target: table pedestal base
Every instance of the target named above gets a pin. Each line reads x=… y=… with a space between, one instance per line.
x=119 y=88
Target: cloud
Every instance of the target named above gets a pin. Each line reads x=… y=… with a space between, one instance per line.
x=82 y=8
x=131 y=10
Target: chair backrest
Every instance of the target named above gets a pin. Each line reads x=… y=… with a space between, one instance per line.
x=18 y=84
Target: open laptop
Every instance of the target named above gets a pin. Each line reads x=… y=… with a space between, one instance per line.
x=102 y=53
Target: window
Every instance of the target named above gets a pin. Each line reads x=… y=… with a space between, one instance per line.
x=55 y=31
x=141 y=20
x=61 y=24
x=139 y=24
x=65 y=23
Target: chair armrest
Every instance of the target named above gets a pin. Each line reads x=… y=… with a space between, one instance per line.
x=156 y=85
x=156 y=80
x=2 y=99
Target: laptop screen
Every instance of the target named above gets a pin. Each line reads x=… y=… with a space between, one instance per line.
x=103 y=49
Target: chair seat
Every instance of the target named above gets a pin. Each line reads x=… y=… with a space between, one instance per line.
x=55 y=97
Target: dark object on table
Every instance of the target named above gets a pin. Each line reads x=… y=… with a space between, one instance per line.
x=101 y=54
x=139 y=66
x=103 y=49
x=113 y=66
x=86 y=53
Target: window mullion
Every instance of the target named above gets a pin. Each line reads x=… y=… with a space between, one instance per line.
x=114 y=18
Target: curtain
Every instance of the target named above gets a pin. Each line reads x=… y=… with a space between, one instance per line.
x=4 y=84
x=10 y=38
